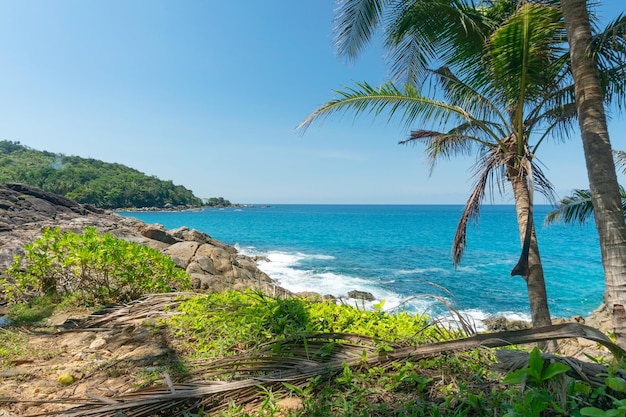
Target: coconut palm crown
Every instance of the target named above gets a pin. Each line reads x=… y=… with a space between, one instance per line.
x=502 y=86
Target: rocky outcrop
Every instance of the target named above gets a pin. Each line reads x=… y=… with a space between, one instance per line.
x=361 y=295
x=212 y=265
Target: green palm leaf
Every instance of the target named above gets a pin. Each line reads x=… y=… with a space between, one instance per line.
x=577 y=208
x=609 y=50
x=523 y=51
x=355 y=24
x=407 y=103
x=416 y=36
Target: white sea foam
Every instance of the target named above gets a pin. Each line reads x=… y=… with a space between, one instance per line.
x=422 y=271
x=467 y=269
x=285 y=268
x=478 y=317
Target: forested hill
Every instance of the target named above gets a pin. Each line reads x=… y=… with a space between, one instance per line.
x=89 y=181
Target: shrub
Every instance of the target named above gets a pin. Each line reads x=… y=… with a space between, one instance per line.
x=221 y=324
x=92 y=267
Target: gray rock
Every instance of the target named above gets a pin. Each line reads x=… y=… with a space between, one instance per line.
x=361 y=295
x=213 y=265
x=182 y=253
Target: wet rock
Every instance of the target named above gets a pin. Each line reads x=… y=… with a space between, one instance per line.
x=361 y=295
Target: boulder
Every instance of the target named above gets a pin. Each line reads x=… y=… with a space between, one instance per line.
x=361 y=295
x=182 y=253
x=158 y=232
x=183 y=233
x=212 y=265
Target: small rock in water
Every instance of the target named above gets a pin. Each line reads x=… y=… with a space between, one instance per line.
x=498 y=324
x=361 y=295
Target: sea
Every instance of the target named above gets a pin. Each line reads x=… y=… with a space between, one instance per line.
x=402 y=255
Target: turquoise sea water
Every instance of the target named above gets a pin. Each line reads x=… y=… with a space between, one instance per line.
x=397 y=252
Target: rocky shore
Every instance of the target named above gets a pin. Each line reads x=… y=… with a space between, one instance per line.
x=108 y=354
x=212 y=265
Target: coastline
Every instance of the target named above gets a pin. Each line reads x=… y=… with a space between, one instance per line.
x=397 y=253
x=187 y=208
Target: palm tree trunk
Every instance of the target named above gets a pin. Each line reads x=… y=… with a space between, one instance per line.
x=599 y=159
x=532 y=271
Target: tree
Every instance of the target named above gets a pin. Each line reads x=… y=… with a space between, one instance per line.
x=603 y=184
x=509 y=81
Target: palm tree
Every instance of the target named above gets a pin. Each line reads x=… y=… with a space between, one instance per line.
x=578 y=207
x=603 y=184
x=509 y=65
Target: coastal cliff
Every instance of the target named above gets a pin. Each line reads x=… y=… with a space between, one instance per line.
x=211 y=264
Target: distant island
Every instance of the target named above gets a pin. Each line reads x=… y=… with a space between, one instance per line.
x=91 y=181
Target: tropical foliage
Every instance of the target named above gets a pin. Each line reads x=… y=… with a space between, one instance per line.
x=503 y=87
x=93 y=268
x=578 y=206
x=247 y=354
x=89 y=181
x=499 y=83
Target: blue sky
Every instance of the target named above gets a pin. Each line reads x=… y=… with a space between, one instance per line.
x=208 y=94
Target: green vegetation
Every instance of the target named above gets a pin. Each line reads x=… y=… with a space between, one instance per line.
x=248 y=327
x=13 y=345
x=91 y=268
x=217 y=202
x=578 y=207
x=224 y=323
x=89 y=181
x=222 y=338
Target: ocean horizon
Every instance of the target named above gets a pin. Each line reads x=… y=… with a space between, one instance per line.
x=401 y=254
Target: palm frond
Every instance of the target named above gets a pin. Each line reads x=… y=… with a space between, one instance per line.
x=387 y=98
x=462 y=139
x=410 y=60
x=522 y=51
x=416 y=37
x=483 y=106
x=609 y=51
x=355 y=23
x=296 y=362
x=620 y=160
x=575 y=208
x=578 y=208
x=488 y=166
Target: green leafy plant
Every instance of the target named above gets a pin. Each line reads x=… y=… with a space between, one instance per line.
x=225 y=323
x=537 y=372
x=534 y=380
x=617 y=385
x=94 y=268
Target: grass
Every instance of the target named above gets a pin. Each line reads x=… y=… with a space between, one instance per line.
x=13 y=346
x=217 y=339
x=226 y=324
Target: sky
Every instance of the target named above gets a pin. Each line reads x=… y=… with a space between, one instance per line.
x=208 y=94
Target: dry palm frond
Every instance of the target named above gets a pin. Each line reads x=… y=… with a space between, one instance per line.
x=153 y=305
x=295 y=362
